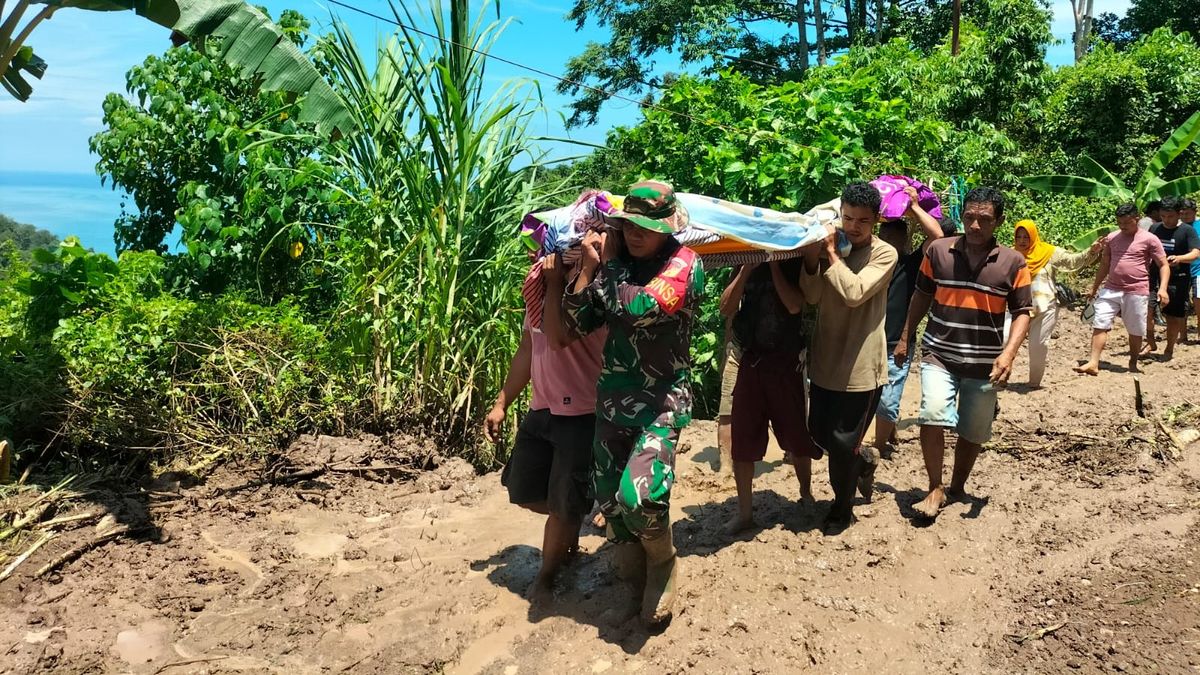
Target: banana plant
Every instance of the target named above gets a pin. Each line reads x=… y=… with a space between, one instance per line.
x=250 y=41
x=1102 y=183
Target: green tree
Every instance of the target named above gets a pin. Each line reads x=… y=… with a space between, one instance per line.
x=1144 y=17
x=198 y=144
x=795 y=144
x=763 y=41
x=25 y=237
x=1117 y=107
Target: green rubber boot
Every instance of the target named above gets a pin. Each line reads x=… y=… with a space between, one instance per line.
x=662 y=577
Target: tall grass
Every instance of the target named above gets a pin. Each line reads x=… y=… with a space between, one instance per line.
x=432 y=302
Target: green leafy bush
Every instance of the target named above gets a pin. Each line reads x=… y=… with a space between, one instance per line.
x=128 y=369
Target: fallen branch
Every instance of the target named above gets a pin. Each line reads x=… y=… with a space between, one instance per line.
x=79 y=550
x=385 y=467
x=33 y=515
x=1037 y=634
x=1171 y=438
x=175 y=664
x=21 y=558
x=70 y=519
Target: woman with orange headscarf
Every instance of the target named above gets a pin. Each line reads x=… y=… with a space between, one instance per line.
x=1043 y=259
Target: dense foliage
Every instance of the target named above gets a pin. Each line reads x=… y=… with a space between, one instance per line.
x=197 y=146
x=100 y=355
x=25 y=237
x=372 y=281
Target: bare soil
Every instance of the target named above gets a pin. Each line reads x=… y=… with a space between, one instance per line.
x=1078 y=550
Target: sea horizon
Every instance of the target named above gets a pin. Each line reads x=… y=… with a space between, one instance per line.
x=64 y=204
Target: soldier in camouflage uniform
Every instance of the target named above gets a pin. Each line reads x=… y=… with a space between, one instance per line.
x=646 y=288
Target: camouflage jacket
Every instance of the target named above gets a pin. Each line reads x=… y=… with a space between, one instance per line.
x=649 y=307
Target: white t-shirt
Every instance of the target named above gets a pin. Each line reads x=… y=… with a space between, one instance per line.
x=1145 y=223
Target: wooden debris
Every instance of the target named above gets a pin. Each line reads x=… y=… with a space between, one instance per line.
x=79 y=550
x=86 y=516
x=1037 y=634
x=1138 y=403
x=1176 y=446
x=12 y=567
x=31 y=516
x=188 y=662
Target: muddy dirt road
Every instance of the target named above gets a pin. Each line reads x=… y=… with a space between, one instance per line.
x=1079 y=551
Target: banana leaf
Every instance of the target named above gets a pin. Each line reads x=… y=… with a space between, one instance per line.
x=1077 y=186
x=1184 y=136
x=1179 y=186
x=1085 y=240
x=251 y=42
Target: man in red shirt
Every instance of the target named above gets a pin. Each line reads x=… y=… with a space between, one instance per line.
x=550 y=469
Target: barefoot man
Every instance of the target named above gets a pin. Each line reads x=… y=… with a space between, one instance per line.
x=1124 y=272
x=646 y=287
x=551 y=464
x=970 y=282
x=768 y=332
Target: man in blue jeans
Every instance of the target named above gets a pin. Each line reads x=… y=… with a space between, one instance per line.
x=900 y=292
x=969 y=282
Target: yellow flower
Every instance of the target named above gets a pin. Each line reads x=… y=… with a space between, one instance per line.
x=296 y=249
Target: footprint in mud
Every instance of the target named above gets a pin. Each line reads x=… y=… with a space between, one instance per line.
x=151 y=641
x=234 y=561
x=320 y=544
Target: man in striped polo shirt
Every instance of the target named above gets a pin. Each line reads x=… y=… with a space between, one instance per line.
x=969 y=282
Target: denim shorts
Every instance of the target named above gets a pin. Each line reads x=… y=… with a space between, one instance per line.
x=966 y=404
x=889 y=404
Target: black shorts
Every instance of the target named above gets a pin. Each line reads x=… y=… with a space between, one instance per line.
x=552 y=462
x=1178 y=289
x=838 y=420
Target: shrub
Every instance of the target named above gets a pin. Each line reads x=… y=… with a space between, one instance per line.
x=131 y=370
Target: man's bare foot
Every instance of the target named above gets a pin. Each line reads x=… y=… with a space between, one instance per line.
x=807 y=499
x=1168 y=354
x=541 y=591
x=1148 y=347
x=1133 y=366
x=738 y=523
x=1088 y=368
x=954 y=494
x=932 y=504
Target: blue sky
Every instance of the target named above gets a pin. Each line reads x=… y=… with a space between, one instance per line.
x=89 y=52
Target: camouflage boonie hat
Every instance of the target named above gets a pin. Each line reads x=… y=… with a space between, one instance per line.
x=651 y=204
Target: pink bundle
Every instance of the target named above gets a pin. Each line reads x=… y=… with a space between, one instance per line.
x=895 y=200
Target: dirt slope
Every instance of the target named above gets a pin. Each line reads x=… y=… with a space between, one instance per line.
x=1077 y=552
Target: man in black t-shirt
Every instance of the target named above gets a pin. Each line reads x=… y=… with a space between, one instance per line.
x=766 y=304
x=1182 y=246
x=900 y=292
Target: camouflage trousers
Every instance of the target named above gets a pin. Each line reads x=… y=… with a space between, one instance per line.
x=633 y=470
